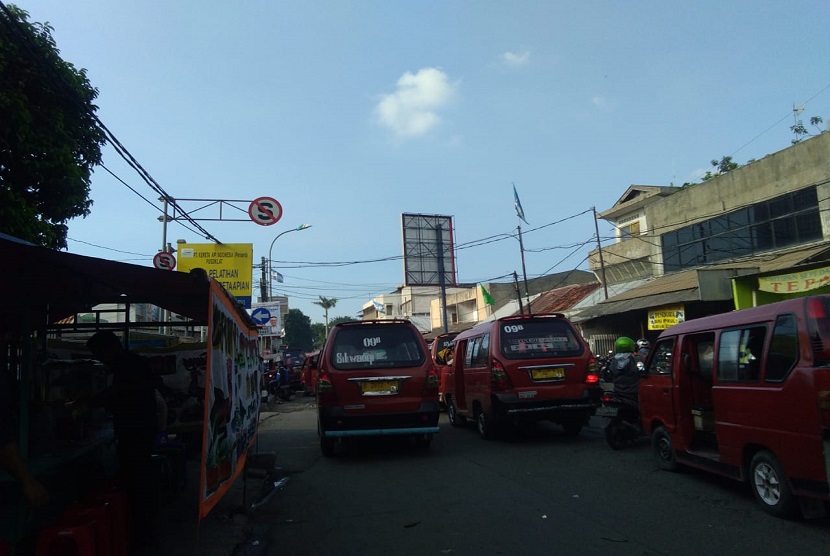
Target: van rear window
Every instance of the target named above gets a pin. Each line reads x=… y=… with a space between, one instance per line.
x=374 y=347
x=538 y=339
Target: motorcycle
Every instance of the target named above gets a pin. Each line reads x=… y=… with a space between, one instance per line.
x=624 y=426
x=604 y=362
x=276 y=386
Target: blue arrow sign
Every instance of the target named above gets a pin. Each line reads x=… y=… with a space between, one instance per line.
x=261 y=315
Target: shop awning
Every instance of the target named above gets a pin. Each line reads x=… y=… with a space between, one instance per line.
x=712 y=283
x=42 y=286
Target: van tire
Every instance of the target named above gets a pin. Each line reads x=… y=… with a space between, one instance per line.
x=572 y=427
x=663 y=447
x=456 y=420
x=771 y=487
x=486 y=428
x=327 y=446
x=422 y=441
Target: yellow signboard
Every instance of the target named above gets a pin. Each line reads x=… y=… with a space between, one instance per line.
x=796 y=282
x=661 y=318
x=230 y=264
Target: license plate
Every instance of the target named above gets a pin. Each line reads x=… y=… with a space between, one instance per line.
x=607 y=411
x=547 y=374
x=379 y=387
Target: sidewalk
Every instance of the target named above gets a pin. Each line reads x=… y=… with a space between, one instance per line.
x=230 y=529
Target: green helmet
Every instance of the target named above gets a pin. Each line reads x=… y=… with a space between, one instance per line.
x=624 y=344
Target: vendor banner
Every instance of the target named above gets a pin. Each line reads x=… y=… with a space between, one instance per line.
x=660 y=318
x=795 y=282
x=232 y=397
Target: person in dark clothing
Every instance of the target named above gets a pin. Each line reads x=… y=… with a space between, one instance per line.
x=10 y=458
x=132 y=402
x=623 y=368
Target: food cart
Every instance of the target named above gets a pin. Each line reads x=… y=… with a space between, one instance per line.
x=45 y=291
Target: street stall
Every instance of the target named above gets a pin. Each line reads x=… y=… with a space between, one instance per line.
x=216 y=382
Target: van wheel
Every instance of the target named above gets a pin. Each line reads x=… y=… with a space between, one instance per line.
x=456 y=420
x=771 y=487
x=485 y=426
x=326 y=443
x=663 y=449
x=422 y=441
x=572 y=427
x=327 y=446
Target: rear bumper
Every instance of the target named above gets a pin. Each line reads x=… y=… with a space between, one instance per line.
x=510 y=407
x=335 y=422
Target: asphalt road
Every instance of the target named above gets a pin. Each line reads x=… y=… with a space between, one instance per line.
x=539 y=493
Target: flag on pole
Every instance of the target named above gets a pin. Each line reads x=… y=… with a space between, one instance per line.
x=519 y=210
x=379 y=307
x=278 y=277
x=488 y=299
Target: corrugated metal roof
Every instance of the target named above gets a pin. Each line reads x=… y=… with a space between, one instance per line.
x=562 y=299
x=683 y=286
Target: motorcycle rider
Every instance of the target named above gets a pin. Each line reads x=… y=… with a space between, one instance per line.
x=643 y=348
x=624 y=371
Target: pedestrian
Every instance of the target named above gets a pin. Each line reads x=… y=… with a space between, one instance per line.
x=131 y=399
x=10 y=458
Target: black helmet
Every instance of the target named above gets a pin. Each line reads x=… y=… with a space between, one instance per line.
x=642 y=343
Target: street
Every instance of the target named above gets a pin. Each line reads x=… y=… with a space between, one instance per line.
x=539 y=493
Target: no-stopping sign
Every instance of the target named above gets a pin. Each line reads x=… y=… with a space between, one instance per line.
x=164 y=261
x=265 y=211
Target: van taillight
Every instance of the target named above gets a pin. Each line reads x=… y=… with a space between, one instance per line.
x=498 y=376
x=432 y=379
x=824 y=407
x=324 y=384
x=818 y=328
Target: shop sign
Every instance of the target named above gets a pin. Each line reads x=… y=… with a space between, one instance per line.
x=795 y=282
x=230 y=264
x=660 y=318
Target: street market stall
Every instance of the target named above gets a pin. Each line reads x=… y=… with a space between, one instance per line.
x=44 y=359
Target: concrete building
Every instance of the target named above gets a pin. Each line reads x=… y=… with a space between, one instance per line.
x=689 y=243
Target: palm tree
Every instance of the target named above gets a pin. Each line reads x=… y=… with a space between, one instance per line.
x=326 y=303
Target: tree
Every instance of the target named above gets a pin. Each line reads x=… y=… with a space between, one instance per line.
x=50 y=139
x=326 y=303
x=298 y=331
x=800 y=130
x=724 y=166
x=318 y=332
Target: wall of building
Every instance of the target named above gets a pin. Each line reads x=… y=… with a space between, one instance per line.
x=802 y=165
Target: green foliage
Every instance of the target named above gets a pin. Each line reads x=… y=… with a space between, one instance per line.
x=298 y=333
x=318 y=332
x=800 y=131
x=49 y=137
x=338 y=320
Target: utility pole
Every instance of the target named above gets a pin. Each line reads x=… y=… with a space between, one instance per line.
x=524 y=271
x=263 y=291
x=599 y=249
x=518 y=292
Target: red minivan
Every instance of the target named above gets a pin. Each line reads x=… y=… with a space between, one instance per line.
x=308 y=375
x=522 y=369
x=438 y=349
x=376 y=378
x=746 y=395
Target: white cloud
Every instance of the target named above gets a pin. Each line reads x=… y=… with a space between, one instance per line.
x=516 y=58
x=413 y=108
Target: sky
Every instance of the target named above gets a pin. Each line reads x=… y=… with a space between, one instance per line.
x=352 y=113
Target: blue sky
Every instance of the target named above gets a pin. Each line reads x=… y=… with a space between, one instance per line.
x=352 y=113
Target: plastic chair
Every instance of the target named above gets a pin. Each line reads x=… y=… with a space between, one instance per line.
x=116 y=502
x=100 y=514
x=67 y=537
